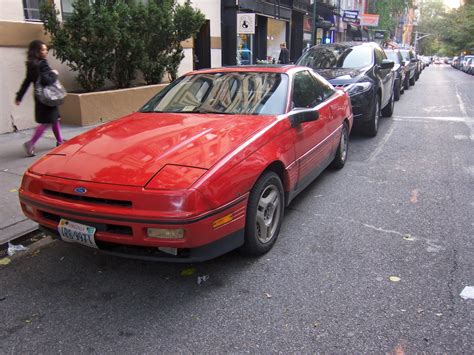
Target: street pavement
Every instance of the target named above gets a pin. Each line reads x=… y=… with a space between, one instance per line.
x=13 y=163
x=370 y=259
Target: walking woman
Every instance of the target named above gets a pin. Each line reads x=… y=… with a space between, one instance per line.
x=38 y=67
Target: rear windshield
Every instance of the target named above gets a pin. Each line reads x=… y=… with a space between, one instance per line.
x=393 y=56
x=328 y=57
x=405 y=55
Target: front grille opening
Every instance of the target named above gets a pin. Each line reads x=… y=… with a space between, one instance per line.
x=95 y=200
x=100 y=227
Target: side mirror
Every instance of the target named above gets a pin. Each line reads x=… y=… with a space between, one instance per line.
x=387 y=64
x=298 y=116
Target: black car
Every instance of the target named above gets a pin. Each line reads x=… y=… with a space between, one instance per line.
x=364 y=71
x=412 y=63
x=400 y=70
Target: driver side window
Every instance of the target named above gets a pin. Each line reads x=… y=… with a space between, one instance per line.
x=306 y=91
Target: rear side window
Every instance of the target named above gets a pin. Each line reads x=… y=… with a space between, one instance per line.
x=308 y=91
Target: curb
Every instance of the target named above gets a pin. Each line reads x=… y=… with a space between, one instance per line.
x=33 y=240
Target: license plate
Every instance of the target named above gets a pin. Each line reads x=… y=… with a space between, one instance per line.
x=74 y=232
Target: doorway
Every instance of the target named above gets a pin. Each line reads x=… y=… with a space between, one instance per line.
x=202 y=47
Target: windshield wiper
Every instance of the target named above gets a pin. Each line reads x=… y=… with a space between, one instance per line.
x=200 y=110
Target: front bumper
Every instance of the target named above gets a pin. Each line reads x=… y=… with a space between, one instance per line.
x=122 y=214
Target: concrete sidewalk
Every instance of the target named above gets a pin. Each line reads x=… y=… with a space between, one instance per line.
x=13 y=163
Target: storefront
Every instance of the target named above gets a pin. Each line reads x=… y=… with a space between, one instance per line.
x=252 y=31
x=276 y=33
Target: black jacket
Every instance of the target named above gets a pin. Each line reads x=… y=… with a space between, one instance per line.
x=284 y=57
x=41 y=69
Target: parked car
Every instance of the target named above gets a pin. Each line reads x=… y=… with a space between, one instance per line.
x=401 y=72
x=455 y=62
x=412 y=63
x=464 y=63
x=364 y=71
x=470 y=66
x=206 y=166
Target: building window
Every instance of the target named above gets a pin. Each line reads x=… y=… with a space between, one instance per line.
x=32 y=9
x=66 y=8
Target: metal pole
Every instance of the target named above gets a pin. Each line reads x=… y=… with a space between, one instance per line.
x=314 y=22
x=416 y=39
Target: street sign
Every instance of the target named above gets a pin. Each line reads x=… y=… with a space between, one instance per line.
x=246 y=23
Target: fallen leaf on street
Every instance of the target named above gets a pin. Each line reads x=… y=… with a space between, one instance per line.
x=188 y=271
x=414 y=196
x=394 y=278
x=5 y=261
x=267 y=295
x=408 y=237
x=35 y=253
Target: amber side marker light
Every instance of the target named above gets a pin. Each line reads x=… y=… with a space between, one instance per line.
x=223 y=220
x=162 y=233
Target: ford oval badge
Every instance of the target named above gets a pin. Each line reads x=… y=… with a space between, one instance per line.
x=80 y=190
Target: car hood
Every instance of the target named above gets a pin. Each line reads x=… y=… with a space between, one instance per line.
x=131 y=150
x=340 y=74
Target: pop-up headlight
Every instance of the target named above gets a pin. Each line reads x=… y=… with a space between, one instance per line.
x=175 y=177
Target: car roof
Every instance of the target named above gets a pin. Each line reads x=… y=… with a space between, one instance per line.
x=276 y=68
x=348 y=44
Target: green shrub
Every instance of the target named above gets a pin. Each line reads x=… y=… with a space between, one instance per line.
x=162 y=49
x=112 y=39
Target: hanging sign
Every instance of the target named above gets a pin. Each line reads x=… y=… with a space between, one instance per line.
x=350 y=15
x=369 y=20
x=246 y=23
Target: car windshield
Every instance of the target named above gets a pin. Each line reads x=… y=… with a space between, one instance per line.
x=253 y=93
x=393 y=56
x=328 y=57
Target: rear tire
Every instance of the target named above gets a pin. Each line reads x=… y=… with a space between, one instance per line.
x=342 y=149
x=264 y=214
x=412 y=81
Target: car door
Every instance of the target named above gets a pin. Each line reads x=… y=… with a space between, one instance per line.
x=311 y=146
x=385 y=76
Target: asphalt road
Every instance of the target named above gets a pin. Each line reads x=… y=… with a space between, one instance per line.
x=402 y=206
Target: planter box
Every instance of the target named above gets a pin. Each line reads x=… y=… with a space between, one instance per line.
x=95 y=107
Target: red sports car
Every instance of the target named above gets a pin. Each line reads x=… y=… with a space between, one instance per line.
x=206 y=166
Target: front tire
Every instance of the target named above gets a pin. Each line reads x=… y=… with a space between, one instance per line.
x=372 y=126
x=397 y=91
x=342 y=149
x=406 y=85
x=264 y=214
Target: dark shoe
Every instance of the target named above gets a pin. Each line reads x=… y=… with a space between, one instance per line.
x=29 y=150
x=59 y=143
